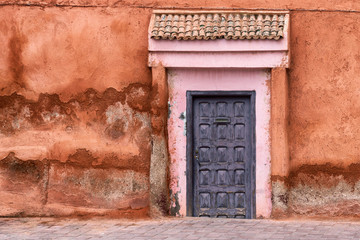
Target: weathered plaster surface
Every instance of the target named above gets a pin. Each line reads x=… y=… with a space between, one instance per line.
x=279 y=122
x=347 y=5
x=280 y=160
x=208 y=79
x=323 y=119
x=75 y=126
x=76 y=154
x=66 y=50
x=318 y=190
x=159 y=187
x=324 y=90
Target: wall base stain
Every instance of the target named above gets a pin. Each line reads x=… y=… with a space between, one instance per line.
x=317 y=191
x=92 y=154
x=279 y=198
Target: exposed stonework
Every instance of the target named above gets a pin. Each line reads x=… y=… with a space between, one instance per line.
x=280 y=198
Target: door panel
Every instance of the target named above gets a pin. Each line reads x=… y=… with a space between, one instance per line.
x=223 y=132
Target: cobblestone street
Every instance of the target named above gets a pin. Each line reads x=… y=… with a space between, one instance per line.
x=186 y=228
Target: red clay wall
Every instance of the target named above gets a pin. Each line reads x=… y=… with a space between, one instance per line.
x=74 y=111
x=75 y=114
x=324 y=109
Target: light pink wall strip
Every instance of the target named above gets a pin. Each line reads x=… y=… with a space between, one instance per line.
x=219 y=45
x=219 y=60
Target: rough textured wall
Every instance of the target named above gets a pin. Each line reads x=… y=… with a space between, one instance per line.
x=324 y=117
x=74 y=111
x=333 y=5
x=324 y=98
x=74 y=88
x=324 y=114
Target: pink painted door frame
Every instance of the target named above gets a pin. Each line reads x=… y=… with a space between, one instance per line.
x=178 y=66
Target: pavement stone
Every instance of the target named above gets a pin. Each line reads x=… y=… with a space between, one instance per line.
x=175 y=229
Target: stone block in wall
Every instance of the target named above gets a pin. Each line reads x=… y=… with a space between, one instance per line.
x=97 y=188
x=22 y=186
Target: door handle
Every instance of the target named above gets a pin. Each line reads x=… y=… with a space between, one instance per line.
x=196 y=155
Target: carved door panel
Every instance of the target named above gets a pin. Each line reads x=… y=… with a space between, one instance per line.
x=222 y=148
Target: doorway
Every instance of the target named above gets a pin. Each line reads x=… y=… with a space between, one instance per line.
x=221 y=154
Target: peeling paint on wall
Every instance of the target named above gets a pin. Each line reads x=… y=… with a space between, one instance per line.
x=175 y=205
x=183 y=118
x=318 y=190
x=90 y=154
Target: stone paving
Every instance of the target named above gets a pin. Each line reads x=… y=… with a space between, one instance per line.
x=181 y=228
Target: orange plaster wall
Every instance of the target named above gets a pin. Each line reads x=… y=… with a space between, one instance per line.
x=323 y=132
x=66 y=51
x=81 y=91
x=74 y=111
x=204 y=4
x=324 y=88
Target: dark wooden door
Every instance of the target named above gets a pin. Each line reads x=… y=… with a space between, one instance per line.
x=223 y=157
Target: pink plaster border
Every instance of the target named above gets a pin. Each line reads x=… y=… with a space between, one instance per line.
x=181 y=80
x=220 y=60
x=219 y=45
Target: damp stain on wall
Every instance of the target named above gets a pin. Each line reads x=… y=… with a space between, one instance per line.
x=324 y=190
x=89 y=154
x=15 y=61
